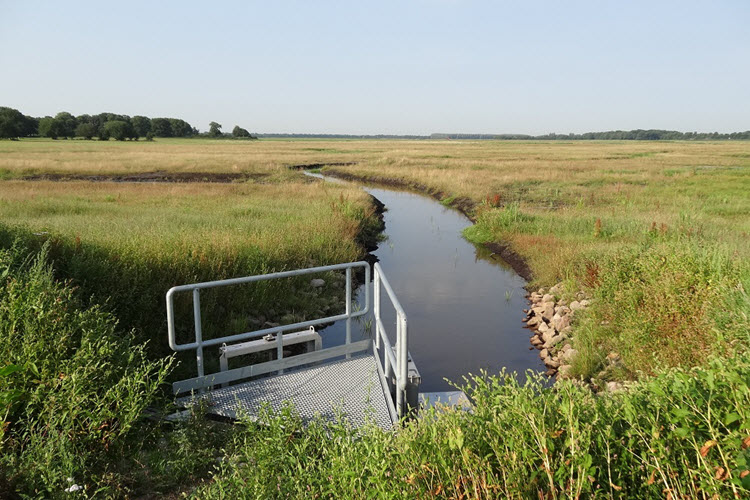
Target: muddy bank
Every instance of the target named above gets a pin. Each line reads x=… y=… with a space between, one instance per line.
x=157 y=176
x=464 y=205
x=312 y=166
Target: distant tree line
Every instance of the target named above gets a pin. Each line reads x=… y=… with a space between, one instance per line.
x=612 y=135
x=104 y=126
x=14 y=124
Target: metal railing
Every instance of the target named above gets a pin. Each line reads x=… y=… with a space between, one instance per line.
x=203 y=381
x=394 y=364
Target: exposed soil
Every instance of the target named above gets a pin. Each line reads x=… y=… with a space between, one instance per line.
x=158 y=176
x=464 y=205
x=310 y=166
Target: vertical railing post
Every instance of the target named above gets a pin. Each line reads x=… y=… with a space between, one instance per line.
x=348 y=308
x=376 y=307
x=403 y=354
x=198 y=330
x=280 y=348
x=399 y=392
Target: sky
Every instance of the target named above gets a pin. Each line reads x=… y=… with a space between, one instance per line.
x=390 y=67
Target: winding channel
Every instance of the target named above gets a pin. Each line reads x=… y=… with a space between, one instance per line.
x=464 y=304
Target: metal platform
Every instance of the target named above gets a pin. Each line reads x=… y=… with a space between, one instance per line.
x=350 y=386
x=365 y=380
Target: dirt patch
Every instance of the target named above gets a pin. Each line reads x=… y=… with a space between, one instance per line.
x=159 y=176
x=311 y=166
x=466 y=206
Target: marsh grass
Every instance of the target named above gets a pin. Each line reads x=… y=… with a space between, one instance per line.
x=657 y=232
x=125 y=245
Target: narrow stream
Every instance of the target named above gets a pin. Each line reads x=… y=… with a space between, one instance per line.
x=464 y=304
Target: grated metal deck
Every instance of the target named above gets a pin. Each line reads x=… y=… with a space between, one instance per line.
x=351 y=386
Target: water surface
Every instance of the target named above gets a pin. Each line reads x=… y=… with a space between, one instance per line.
x=463 y=304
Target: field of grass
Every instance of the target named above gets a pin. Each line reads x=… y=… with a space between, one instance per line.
x=656 y=232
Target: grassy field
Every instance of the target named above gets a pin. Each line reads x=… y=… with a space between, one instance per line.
x=656 y=232
x=574 y=211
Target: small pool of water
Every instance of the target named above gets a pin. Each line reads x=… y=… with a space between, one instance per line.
x=464 y=305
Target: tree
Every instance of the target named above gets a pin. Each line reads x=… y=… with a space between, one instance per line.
x=118 y=129
x=12 y=123
x=180 y=128
x=141 y=125
x=161 y=127
x=48 y=127
x=66 y=124
x=214 y=129
x=85 y=130
x=238 y=131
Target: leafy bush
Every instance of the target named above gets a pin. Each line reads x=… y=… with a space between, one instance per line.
x=83 y=385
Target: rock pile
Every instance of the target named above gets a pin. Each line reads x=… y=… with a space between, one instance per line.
x=549 y=318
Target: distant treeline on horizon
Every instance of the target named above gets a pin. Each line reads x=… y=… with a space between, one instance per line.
x=612 y=135
x=14 y=124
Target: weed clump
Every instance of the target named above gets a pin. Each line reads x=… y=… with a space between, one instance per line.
x=74 y=385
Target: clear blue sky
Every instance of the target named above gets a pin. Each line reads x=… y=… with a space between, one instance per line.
x=412 y=66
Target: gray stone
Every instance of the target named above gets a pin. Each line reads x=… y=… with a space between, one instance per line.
x=548 y=335
x=561 y=323
x=614 y=386
x=551 y=363
x=548 y=298
x=585 y=303
x=534 y=321
x=548 y=312
x=566 y=348
x=575 y=305
x=544 y=354
x=317 y=283
x=613 y=359
x=563 y=371
x=569 y=355
x=536 y=341
x=553 y=341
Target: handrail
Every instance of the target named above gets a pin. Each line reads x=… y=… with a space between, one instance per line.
x=400 y=360
x=198 y=344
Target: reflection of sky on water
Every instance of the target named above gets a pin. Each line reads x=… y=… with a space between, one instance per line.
x=454 y=294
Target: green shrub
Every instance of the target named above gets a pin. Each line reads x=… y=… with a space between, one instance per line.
x=83 y=387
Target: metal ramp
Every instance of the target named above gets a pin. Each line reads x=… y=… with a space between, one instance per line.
x=364 y=381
